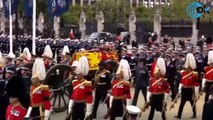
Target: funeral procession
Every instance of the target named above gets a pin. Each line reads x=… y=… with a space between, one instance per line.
x=106 y=59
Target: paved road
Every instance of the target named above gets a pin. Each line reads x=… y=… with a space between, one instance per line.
x=187 y=113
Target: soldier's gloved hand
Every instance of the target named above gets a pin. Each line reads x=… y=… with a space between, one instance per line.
x=148 y=96
x=166 y=97
x=180 y=88
x=203 y=82
x=89 y=110
x=197 y=91
x=28 y=112
x=70 y=106
x=47 y=114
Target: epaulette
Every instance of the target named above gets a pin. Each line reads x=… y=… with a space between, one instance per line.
x=87 y=83
x=126 y=83
x=182 y=71
x=45 y=87
x=74 y=81
x=107 y=71
x=195 y=73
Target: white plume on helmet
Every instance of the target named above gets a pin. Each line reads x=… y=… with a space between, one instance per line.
x=190 y=61
x=27 y=53
x=38 y=69
x=75 y=63
x=83 y=66
x=160 y=66
x=210 y=57
x=124 y=68
x=47 y=52
x=65 y=50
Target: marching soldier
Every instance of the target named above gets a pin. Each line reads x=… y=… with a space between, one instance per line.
x=102 y=84
x=120 y=91
x=82 y=93
x=189 y=85
x=141 y=80
x=27 y=81
x=171 y=73
x=8 y=62
x=26 y=55
x=208 y=77
x=16 y=91
x=3 y=96
x=39 y=93
x=208 y=106
x=65 y=55
x=18 y=63
x=47 y=55
x=159 y=90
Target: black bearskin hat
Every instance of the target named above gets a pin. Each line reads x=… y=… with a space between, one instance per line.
x=16 y=88
x=209 y=40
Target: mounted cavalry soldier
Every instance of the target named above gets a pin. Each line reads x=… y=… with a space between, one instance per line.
x=16 y=91
x=189 y=85
x=158 y=92
x=48 y=57
x=102 y=84
x=82 y=94
x=120 y=91
x=39 y=93
x=208 y=76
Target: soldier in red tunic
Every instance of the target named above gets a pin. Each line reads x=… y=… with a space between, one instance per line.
x=82 y=93
x=159 y=90
x=189 y=85
x=16 y=91
x=48 y=57
x=65 y=55
x=39 y=93
x=208 y=75
x=120 y=91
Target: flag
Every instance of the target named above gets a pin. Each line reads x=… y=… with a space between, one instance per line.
x=28 y=8
x=14 y=4
x=57 y=7
x=63 y=6
x=51 y=7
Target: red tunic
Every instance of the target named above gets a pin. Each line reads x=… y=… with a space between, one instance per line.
x=40 y=96
x=72 y=36
x=159 y=86
x=82 y=91
x=152 y=69
x=46 y=64
x=121 y=88
x=189 y=79
x=15 y=112
x=105 y=56
x=208 y=74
